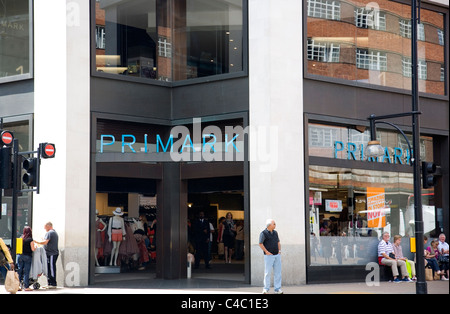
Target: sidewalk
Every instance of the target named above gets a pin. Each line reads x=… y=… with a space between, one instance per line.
x=200 y=286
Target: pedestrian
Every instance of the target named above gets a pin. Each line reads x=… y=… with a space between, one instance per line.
x=24 y=260
x=6 y=261
x=201 y=238
x=51 y=249
x=269 y=242
x=228 y=236
x=443 y=257
x=240 y=240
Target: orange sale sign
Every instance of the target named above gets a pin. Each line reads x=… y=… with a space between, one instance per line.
x=375 y=208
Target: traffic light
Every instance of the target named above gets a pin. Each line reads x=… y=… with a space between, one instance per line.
x=47 y=150
x=5 y=168
x=31 y=166
x=428 y=174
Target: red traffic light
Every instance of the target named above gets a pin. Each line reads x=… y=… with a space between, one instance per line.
x=47 y=150
x=7 y=138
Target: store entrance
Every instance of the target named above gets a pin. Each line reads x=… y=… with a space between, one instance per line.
x=219 y=238
x=125 y=237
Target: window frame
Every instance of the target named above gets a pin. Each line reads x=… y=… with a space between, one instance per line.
x=426 y=6
x=212 y=78
x=30 y=74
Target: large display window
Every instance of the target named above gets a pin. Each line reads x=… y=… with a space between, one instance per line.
x=370 y=43
x=169 y=40
x=349 y=209
x=15 y=40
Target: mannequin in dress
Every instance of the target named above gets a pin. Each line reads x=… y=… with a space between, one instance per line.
x=116 y=232
x=100 y=225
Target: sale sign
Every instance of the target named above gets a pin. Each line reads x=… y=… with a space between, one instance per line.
x=333 y=205
x=375 y=208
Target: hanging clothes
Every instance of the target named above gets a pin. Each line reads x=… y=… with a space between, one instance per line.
x=39 y=263
x=129 y=246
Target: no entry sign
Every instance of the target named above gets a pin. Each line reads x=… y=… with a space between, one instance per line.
x=7 y=138
x=48 y=150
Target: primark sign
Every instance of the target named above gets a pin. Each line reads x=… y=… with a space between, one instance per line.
x=352 y=151
x=181 y=144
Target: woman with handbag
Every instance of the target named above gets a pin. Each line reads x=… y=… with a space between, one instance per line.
x=431 y=253
x=6 y=262
x=24 y=260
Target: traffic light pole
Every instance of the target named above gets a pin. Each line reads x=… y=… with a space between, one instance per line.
x=421 y=284
x=15 y=194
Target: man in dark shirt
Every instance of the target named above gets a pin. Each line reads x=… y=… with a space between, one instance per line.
x=51 y=248
x=201 y=235
x=271 y=246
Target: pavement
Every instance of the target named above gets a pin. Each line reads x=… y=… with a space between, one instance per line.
x=211 y=287
x=223 y=280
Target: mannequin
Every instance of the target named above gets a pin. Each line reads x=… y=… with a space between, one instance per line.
x=116 y=232
x=100 y=225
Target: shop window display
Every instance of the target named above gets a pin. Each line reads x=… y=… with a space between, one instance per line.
x=169 y=40
x=122 y=241
x=349 y=209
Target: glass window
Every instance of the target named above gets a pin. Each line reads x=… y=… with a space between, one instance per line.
x=21 y=130
x=371 y=44
x=169 y=40
x=349 y=209
x=14 y=38
x=347 y=143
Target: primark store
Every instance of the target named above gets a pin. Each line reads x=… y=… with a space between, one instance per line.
x=162 y=110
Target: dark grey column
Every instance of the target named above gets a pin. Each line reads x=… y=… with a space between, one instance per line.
x=171 y=254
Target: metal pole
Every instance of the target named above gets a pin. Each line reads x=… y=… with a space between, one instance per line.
x=14 y=198
x=421 y=284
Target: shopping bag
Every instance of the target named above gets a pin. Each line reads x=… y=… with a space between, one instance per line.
x=12 y=282
x=408 y=268
x=429 y=274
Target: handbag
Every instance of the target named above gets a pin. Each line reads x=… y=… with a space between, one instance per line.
x=12 y=282
x=429 y=274
x=443 y=259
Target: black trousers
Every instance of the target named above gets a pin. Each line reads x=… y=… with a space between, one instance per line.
x=201 y=252
x=51 y=263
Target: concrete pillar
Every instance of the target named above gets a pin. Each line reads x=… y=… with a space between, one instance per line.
x=276 y=133
x=62 y=116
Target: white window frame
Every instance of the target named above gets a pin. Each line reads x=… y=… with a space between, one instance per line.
x=371 y=60
x=407 y=68
x=441 y=37
x=406 y=31
x=164 y=47
x=323 y=52
x=368 y=18
x=100 y=40
x=325 y=9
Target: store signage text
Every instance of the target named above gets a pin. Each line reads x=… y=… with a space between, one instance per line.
x=356 y=152
x=184 y=144
x=198 y=143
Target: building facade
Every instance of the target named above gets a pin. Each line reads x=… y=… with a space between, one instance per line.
x=166 y=108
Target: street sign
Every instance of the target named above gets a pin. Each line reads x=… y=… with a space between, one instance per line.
x=7 y=138
x=48 y=150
